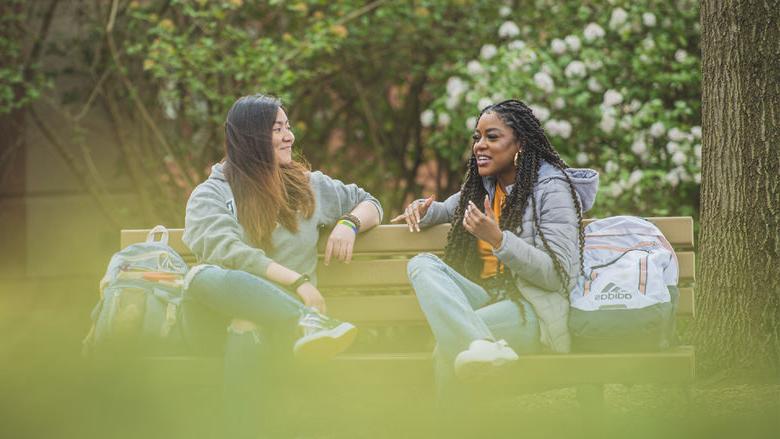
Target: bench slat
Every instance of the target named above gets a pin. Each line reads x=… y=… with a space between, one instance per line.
x=404 y=309
x=392 y=272
x=394 y=239
x=397 y=239
x=673 y=366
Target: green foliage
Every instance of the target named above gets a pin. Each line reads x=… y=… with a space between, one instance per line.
x=21 y=78
x=616 y=89
x=383 y=92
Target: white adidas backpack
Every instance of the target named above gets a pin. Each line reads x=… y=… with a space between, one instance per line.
x=627 y=298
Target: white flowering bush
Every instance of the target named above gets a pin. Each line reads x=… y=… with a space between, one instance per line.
x=615 y=87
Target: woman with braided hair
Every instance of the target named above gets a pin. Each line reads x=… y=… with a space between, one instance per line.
x=514 y=249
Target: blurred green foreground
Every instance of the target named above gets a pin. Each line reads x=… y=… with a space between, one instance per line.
x=49 y=391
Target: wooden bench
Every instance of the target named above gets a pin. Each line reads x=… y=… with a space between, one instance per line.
x=374 y=293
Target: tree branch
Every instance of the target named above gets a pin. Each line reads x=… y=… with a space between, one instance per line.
x=75 y=167
x=136 y=99
x=133 y=159
x=42 y=34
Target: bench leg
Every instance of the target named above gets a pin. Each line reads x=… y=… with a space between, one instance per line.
x=591 y=399
x=686 y=391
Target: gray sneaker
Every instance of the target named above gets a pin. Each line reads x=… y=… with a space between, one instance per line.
x=323 y=337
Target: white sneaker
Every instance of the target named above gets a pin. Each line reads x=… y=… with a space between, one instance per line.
x=482 y=358
x=323 y=337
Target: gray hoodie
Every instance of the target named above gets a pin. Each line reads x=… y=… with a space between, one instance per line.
x=213 y=233
x=524 y=254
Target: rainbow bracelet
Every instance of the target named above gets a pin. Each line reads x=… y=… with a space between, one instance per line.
x=349 y=224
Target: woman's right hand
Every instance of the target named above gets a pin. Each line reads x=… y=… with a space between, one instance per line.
x=416 y=210
x=311 y=297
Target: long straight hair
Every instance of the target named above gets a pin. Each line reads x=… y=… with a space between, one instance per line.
x=266 y=192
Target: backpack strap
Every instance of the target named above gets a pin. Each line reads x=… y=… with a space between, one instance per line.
x=593 y=275
x=643 y=275
x=163 y=235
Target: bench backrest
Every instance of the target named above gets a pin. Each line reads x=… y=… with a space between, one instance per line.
x=375 y=290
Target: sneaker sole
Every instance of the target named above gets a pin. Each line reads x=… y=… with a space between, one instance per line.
x=327 y=344
x=479 y=370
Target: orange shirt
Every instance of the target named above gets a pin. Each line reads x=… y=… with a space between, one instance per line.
x=490 y=264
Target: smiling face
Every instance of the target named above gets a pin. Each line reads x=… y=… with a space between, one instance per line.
x=495 y=147
x=282 y=138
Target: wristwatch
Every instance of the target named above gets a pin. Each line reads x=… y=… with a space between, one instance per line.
x=298 y=282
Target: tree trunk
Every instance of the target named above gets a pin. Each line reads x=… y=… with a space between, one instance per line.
x=738 y=320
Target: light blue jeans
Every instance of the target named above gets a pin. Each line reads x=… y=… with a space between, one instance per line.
x=459 y=311
x=256 y=362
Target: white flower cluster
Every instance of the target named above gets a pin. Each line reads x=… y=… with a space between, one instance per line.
x=618 y=18
x=508 y=30
x=609 y=111
x=474 y=68
x=558 y=46
x=540 y=112
x=618 y=187
x=560 y=128
x=648 y=19
x=639 y=146
x=516 y=45
x=635 y=177
x=544 y=81
x=593 y=32
x=594 y=85
x=657 y=129
x=573 y=43
x=456 y=87
x=575 y=69
x=426 y=118
x=488 y=51
x=612 y=98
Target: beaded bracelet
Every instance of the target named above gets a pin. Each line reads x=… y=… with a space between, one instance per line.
x=349 y=224
x=351 y=218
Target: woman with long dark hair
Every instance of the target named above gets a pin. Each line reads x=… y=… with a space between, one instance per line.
x=254 y=226
x=513 y=251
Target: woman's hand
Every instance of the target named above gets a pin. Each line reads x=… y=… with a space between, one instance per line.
x=416 y=210
x=340 y=244
x=311 y=297
x=483 y=225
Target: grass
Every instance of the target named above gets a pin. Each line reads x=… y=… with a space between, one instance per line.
x=49 y=391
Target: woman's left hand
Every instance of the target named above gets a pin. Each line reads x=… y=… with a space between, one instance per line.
x=340 y=243
x=482 y=225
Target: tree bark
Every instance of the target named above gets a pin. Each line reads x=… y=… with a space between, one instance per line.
x=738 y=320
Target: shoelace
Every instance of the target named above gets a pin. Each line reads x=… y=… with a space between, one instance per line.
x=502 y=343
x=314 y=321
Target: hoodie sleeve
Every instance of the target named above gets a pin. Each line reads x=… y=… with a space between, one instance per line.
x=337 y=198
x=558 y=223
x=215 y=236
x=440 y=212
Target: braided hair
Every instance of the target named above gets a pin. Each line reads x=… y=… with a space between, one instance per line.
x=461 y=250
